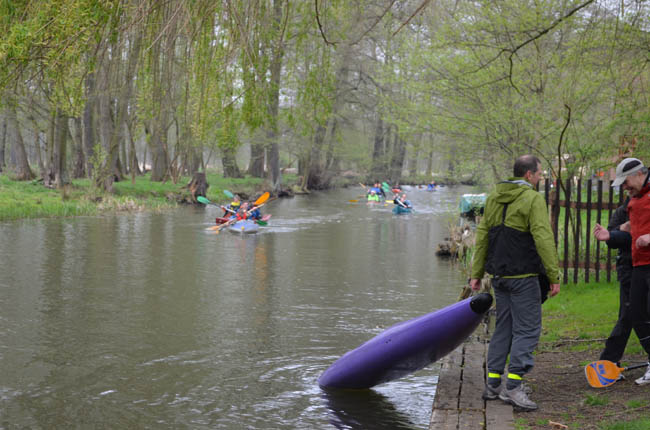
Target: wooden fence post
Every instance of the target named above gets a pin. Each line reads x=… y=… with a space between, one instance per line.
x=588 y=236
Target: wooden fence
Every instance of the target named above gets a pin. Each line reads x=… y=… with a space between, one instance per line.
x=574 y=212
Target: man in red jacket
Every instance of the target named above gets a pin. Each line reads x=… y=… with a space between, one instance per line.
x=632 y=176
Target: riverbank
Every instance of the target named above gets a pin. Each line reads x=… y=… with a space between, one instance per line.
x=30 y=199
x=575 y=325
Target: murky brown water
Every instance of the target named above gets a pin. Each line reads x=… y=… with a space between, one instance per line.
x=152 y=321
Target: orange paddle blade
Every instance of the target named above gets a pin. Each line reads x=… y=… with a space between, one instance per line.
x=602 y=373
x=264 y=197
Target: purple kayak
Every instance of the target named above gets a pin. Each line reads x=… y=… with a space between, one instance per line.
x=408 y=346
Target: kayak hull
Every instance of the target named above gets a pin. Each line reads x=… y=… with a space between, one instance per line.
x=244 y=227
x=408 y=346
x=399 y=210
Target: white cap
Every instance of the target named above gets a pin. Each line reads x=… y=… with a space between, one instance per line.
x=626 y=168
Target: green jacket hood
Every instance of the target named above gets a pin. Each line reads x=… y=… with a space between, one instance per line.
x=507 y=191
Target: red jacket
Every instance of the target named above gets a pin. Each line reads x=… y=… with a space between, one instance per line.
x=639 y=211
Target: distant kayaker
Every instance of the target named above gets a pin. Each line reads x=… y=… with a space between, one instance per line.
x=254 y=213
x=515 y=244
x=373 y=197
x=431 y=186
x=233 y=207
x=402 y=201
x=242 y=213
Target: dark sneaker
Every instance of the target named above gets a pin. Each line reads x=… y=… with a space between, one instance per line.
x=490 y=392
x=645 y=379
x=518 y=398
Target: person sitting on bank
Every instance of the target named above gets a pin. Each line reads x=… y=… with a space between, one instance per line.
x=373 y=196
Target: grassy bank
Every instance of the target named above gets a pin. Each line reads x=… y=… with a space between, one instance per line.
x=581 y=317
x=575 y=326
x=30 y=199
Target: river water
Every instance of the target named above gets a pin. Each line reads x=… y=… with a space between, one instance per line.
x=151 y=320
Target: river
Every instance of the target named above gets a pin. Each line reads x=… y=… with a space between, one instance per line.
x=151 y=320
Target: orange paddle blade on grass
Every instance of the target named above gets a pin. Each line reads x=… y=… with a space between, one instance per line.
x=603 y=373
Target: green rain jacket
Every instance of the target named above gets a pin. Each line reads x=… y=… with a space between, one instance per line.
x=526 y=212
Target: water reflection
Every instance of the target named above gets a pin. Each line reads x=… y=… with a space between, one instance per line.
x=147 y=321
x=364 y=409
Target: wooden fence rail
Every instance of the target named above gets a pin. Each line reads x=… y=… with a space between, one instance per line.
x=578 y=249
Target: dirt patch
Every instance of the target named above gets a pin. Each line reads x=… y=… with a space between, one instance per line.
x=564 y=396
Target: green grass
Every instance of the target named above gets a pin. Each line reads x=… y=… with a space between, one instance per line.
x=596 y=400
x=640 y=424
x=30 y=199
x=581 y=316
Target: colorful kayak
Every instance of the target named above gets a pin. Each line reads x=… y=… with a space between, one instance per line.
x=408 y=346
x=401 y=210
x=244 y=226
x=263 y=221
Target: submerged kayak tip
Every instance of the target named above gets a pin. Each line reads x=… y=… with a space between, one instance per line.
x=481 y=303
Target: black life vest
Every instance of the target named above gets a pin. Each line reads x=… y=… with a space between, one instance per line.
x=511 y=252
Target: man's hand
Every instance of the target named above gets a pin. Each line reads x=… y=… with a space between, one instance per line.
x=625 y=227
x=555 y=288
x=643 y=241
x=475 y=284
x=601 y=233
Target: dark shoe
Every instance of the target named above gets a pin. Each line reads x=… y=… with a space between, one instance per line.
x=518 y=398
x=490 y=392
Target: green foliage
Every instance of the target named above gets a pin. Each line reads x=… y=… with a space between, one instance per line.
x=633 y=404
x=596 y=400
x=640 y=424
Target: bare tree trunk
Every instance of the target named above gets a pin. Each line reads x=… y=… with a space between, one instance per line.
x=256 y=165
x=377 y=171
x=413 y=163
x=59 y=150
x=276 y=70
x=3 y=142
x=79 y=159
x=397 y=159
x=314 y=175
x=430 y=163
x=88 y=123
x=229 y=163
x=23 y=171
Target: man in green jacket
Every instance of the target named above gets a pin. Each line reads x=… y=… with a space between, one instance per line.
x=514 y=243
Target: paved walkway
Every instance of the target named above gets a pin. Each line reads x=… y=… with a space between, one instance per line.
x=458 y=404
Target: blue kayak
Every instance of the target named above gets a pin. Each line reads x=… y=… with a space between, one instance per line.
x=401 y=210
x=244 y=226
x=408 y=346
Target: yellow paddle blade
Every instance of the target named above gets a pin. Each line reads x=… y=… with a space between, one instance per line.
x=264 y=197
x=602 y=373
x=353 y=201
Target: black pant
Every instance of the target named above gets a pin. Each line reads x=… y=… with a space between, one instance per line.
x=617 y=340
x=639 y=313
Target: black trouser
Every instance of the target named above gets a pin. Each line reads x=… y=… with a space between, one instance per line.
x=617 y=340
x=639 y=313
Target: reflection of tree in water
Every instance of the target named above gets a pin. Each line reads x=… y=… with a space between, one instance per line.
x=364 y=409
